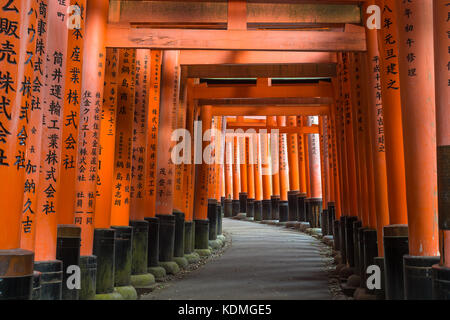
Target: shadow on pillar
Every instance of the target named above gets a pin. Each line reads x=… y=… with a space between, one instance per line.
x=301 y=217
x=250 y=208
x=293 y=205
x=51 y=279
x=418 y=277
x=123 y=260
x=441 y=283
x=243 y=202
x=395 y=238
x=324 y=222
x=258 y=210
x=212 y=217
x=266 y=209
x=68 y=243
x=236 y=208
x=219 y=218
x=228 y=208
x=16 y=275
x=283 y=211
x=331 y=217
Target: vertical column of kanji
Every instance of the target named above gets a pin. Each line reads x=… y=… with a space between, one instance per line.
x=151 y=158
x=260 y=138
x=103 y=247
x=284 y=172
x=14 y=61
x=32 y=111
x=51 y=148
x=306 y=156
x=335 y=167
x=302 y=171
x=120 y=202
x=266 y=173
x=376 y=132
x=72 y=94
x=323 y=123
x=392 y=114
x=243 y=169
x=328 y=144
x=165 y=166
x=236 y=176
x=442 y=68
x=315 y=174
x=107 y=141
x=250 y=176
x=209 y=157
x=139 y=275
x=271 y=121
x=416 y=55
x=228 y=205
x=219 y=172
x=294 y=178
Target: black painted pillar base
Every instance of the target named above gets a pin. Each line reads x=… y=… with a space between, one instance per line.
x=342 y=241
x=188 y=237
x=88 y=266
x=301 y=207
x=201 y=234
x=236 y=208
x=284 y=211
x=250 y=208
x=337 y=235
x=243 y=202
x=324 y=222
x=166 y=237
x=68 y=243
x=308 y=212
x=418 y=277
x=105 y=253
x=219 y=219
x=361 y=258
x=153 y=242
x=228 y=208
x=293 y=205
x=380 y=293
x=356 y=226
x=212 y=217
x=51 y=279
x=266 y=209
x=178 y=247
x=331 y=217
x=258 y=210
x=316 y=209
x=139 y=248
x=441 y=282
x=349 y=244
x=275 y=207
x=36 y=291
x=16 y=275
x=369 y=245
x=123 y=256
x=395 y=238
x=222 y=202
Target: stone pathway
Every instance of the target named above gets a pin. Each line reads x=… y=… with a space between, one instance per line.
x=263 y=262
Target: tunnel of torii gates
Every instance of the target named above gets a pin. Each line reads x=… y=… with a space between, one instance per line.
x=325 y=123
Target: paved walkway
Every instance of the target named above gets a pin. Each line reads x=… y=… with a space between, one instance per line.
x=263 y=262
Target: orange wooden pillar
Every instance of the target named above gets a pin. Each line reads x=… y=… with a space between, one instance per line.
x=259 y=177
x=416 y=55
x=294 y=177
x=71 y=120
x=302 y=171
x=243 y=195
x=14 y=69
x=92 y=86
x=201 y=188
x=275 y=167
x=138 y=188
x=284 y=172
x=325 y=166
x=210 y=159
x=441 y=55
x=266 y=175
x=376 y=133
x=249 y=160
x=392 y=114
x=48 y=190
x=170 y=85
x=236 y=176
x=315 y=200
x=335 y=166
x=228 y=204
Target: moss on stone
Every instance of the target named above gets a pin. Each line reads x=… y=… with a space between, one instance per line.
x=142 y=280
x=170 y=266
x=181 y=261
x=158 y=272
x=127 y=292
x=203 y=252
x=109 y=296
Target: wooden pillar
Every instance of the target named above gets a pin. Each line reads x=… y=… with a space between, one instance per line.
x=294 y=182
x=415 y=19
x=236 y=169
x=314 y=161
x=33 y=117
x=229 y=168
x=441 y=62
x=107 y=141
x=169 y=101
x=152 y=131
x=274 y=151
x=249 y=160
x=53 y=101
x=301 y=158
x=284 y=166
x=138 y=188
x=376 y=132
x=92 y=86
x=392 y=114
